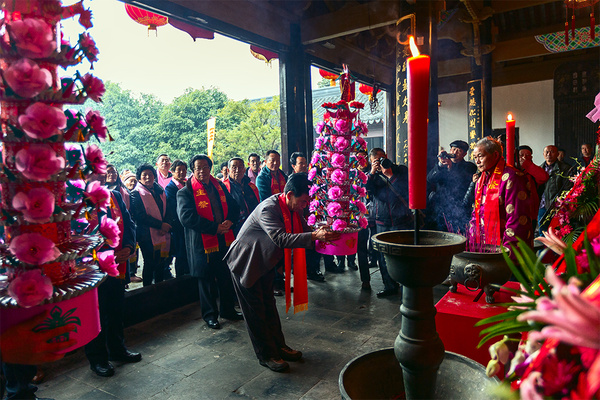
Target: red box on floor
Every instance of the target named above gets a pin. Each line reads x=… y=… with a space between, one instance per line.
x=457 y=314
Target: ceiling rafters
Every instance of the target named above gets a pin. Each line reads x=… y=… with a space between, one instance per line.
x=349 y=20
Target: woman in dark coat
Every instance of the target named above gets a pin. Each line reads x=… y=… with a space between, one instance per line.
x=178 y=250
x=152 y=217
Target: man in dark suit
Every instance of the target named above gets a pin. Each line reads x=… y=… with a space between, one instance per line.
x=558 y=182
x=253 y=257
x=207 y=212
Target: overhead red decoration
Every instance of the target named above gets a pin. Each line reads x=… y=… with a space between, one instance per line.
x=194 y=31
x=368 y=90
x=329 y=75
x=147 y=18
x=262 y=54
x=576 y=4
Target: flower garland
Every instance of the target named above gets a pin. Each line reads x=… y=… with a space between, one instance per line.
x=338 y=185
x=42 y=179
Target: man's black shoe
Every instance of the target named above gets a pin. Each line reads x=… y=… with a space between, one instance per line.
x=289 y=354
x=234 y=316
x=366 y=286
x=127 y=357
x=275 y=365
x=103 y=369
x=317 y=277
x=387 y=292
x=213 y=324
x=352 y=266
x=334 y=270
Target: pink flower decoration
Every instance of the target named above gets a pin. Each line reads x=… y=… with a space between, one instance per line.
x=313 y=190
x=361 y=206
x=314 y=205
x=38 y=162
x=320 y=142
x=341 y=143
x=106 y=261
x=339 y=225
x=98 y=194
x=334 y=209
x=316 y=158
x=96 y=122
x=338 y=160
x=363 y=127
x=33 y=37
x=111 y=232
x=335 y=192
x=320 y=127
x=95 y=159
x=361 y=143
x=27 y=79
x=37 y=205
x=30 y=288
x=339 y=176
x=359 y=190
x=312 y=173
x=41 y=121
x=363 y=222
x=94 y=87
x=362 y=160
x=78 y=183
x=342 y=126
x=363 y=177
x=33 y=248
x=312 y=219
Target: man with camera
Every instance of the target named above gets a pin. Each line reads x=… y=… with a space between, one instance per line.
x=388 y=188
x=449 y=180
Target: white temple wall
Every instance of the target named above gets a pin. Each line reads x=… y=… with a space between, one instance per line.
x=532 y=105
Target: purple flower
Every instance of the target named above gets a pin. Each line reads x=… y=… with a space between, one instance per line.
x=342 y=126
x=363 y=222
x=316 y=158
x=334 y=209
x=341 y=143
x=338 y=160
x=313 y=190
x=339 y=225
x=314 y=205
x=335 y=192
x=312 y=219
x=320 y=127
x=339 y=176
x=312 y=173
x=320 y=142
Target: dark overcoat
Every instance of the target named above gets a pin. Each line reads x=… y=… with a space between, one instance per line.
x=194 y=226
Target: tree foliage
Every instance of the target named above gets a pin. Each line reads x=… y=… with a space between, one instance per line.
x=143 y=127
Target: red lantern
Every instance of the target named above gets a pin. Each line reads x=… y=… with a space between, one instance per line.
x=151 y=20
x=262 y=54
x=329 y=75
x=367 y=90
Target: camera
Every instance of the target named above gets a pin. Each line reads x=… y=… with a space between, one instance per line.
x=445 y=155
x=385 y=163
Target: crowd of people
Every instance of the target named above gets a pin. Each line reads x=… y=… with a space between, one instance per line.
x=231 y=231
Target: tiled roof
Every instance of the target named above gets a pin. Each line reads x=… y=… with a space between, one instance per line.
x=332 y=95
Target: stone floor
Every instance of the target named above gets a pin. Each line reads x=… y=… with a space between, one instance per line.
x=183 y=359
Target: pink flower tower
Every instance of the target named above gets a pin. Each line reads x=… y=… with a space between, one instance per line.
x=338 y=186
x=48 y=267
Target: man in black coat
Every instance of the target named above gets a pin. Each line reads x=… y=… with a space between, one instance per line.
x=557 y=183
x=451 y=178
x=252 y=259
x=207 y=212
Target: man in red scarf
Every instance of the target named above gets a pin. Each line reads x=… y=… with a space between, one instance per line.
x=502 y=210
x=207 y=212
x=274 y=228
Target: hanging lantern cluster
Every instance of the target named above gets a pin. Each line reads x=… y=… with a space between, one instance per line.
x=329 y=75
x=572 y=5
x=371 y=91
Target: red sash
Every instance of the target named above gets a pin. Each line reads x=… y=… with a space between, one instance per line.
x=115 y=214
x=299 y=259
x=204 y=209
x=491 y=209
x=277 y=182
x=252 y=186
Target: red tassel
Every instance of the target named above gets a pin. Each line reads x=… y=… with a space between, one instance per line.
x=573 y=24
x=592 y=27
x=566 y=33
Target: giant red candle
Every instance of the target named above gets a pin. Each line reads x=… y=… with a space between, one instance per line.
x=510 y=140
x=417 y=68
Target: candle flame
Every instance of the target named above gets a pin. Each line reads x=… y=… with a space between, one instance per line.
x=509 y=117
x=413 y=47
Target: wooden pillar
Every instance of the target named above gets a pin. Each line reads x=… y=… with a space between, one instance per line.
x=294 y=86
x=483 y=72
